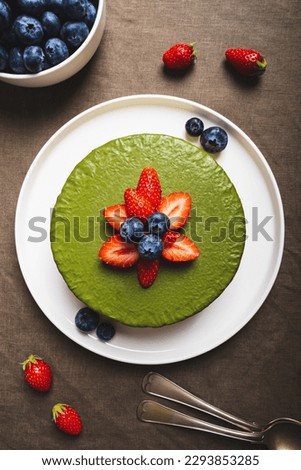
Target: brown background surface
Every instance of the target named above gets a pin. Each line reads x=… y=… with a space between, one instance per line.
x=257 y=372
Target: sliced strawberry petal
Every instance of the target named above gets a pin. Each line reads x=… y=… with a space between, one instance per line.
x=179 y=248
x=177 y=207
x=147 y=271
x=149 y=185
x=137 y=205
x=169 y=238
x=115 y=215
x=116 y=252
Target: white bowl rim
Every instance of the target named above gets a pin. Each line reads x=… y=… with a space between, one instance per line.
x=56 y=68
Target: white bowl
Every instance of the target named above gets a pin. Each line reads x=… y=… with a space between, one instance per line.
x=68 y=67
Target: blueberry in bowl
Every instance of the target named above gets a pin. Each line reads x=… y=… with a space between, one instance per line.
x=68 y=32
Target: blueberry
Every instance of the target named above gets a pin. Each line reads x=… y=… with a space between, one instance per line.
x=214 y=139
x=132 y=230
x=150 y=246
x=28 y=29
x=56 y=51
x=34 y=58
x=74 y=33
x=75 y=9
x=3 y=58
x=15 y=60
x=86 y=319
x=51 y=24
x=194 y=126
x=56 y=6
x=90 y=15
x=158 y=223
x=9 y=37
x=5 y=15
x=105 y=331
x=32 y=7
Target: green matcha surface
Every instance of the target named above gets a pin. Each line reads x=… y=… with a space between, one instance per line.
x=216 y=225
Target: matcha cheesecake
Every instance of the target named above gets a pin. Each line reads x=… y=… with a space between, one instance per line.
x=180 y=252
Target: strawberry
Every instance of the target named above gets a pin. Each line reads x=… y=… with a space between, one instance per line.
x=67 y=419
x=169 y=238
x=37 y=373
x=177 y=207
x=116 y=252
x=179 y=56
x=137 y=205
x=147 y=271
x=178 y=247
x=149 y=185
x=115 y=215
x=246 y=61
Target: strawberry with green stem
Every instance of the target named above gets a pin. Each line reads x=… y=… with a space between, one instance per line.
x=67 y=419
x=180 y=56
x=37 y=373
x=247 y=62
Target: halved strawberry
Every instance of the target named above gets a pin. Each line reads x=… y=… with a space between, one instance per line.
x=115 y=215
x=177 y=207
x=147 y=271
x=137 y=205
x=116 y=252
x=149 y=185
x=178 y=247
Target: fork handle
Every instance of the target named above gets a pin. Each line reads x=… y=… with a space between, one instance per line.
x=153 y=412
x=155 y=384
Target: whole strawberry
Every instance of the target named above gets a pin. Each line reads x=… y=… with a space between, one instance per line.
x=247 y=62
x=67 y=419
x=37 y=373
x=179 y=56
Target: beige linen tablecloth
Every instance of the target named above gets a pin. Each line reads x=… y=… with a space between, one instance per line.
x=256 y=373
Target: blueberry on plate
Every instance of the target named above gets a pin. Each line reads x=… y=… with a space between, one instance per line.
x=105 y=331
x=194 y=126
x=132 y=230
x=56 y=51
x=5 y=15
x=74 y=33
x=32 y=7
x=3 y=58
x=34 y=58
x=150 y=246
x=15 y=60
x=51 y=24
x=86 y=319
x=214 y=139
x=75 y=9
x=28 y=29
x=158 y=223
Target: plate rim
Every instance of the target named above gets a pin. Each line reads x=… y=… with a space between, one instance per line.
x=169 y=100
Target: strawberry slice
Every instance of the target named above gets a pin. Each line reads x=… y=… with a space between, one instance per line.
x=177 y=207
x=149 y=185
x=178 y=247
x=137 y=205
x=115 y=215
x=116 y=252
x=147 y=271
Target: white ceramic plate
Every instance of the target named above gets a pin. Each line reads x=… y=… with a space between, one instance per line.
x=247 y=169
